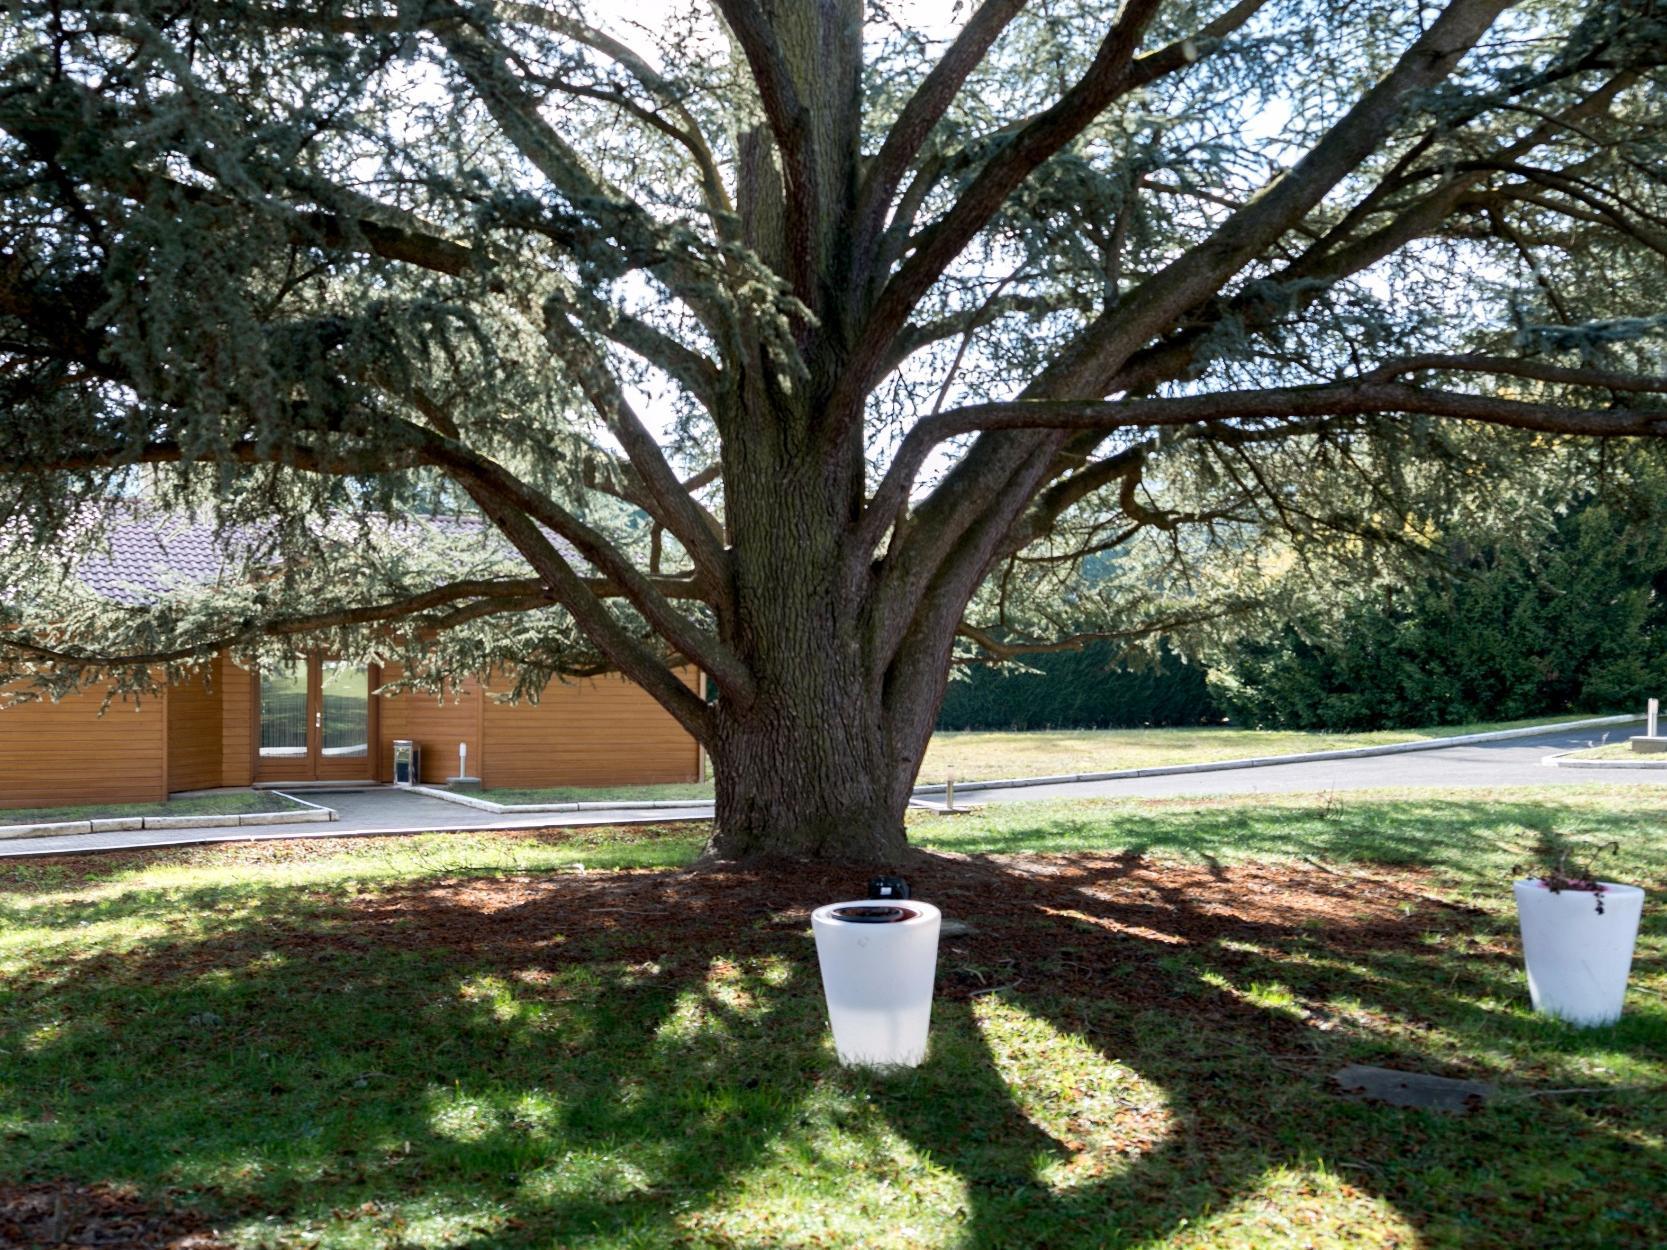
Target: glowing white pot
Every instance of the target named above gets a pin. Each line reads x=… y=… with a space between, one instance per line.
x=1577 y=959
x=877 y=970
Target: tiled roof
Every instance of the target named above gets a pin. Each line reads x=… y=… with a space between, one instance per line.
x=144 y=553
x=148 y=555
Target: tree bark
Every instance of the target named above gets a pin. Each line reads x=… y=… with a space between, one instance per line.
x=804 y=767
x=805 y=777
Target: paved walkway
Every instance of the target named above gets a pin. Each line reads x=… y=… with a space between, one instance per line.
x=381 y=811
x=1515 y=762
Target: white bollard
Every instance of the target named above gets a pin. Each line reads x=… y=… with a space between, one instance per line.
x=1652 y=716
x=949 y=792
x=462 y=759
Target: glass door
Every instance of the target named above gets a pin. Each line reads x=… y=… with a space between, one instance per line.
x=315 y=722
x=284 y=745
x=343 y=721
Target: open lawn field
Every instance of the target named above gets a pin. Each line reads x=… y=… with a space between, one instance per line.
x=471 y=1040
x=984 y=756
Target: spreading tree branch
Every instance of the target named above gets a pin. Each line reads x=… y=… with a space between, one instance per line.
x=788 y=121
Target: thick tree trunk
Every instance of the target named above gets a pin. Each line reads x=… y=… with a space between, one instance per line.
x=807 y=767
x=807 y=778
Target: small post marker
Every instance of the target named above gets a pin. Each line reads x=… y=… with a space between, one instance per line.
x=1649 y=742
x=949 y=785
x=463 y=781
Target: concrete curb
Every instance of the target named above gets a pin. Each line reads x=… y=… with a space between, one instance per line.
x=1562 y=761
x=191 y=822
x=1308 y=757
x=229 y=833
x=117 y=824
x=122 y=824
x=516 y=809
x=960 y=809
x=314 y=811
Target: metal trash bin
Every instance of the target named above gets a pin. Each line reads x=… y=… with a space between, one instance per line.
x=408 y=762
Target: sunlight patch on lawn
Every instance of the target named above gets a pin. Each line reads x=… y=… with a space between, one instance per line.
x=732 y=994
x=495 y=995
x=341 y=865
x=847 y=1178
x=461 y=1117
x=66 y=945
x=44 y=1035
x=593 y=1176
x=1101 y=1114
x=1312 y=1207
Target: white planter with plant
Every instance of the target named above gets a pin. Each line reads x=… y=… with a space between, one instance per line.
x=878 y=961
x=1577 y=939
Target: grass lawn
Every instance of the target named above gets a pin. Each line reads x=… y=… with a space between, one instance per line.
x=981 y=756
x=1618 y=751
x=598 y=794
x=984 y=756
x=470 y=1040
x=237 y=803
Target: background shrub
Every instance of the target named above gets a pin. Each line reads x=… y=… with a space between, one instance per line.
x=1574 y=625
x=1087 y=689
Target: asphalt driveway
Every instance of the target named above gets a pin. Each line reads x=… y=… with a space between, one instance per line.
x=385 y=810
x=1512 y=762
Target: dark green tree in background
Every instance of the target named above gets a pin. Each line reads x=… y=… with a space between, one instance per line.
x=1577 y=623
x=1090 y=688
x=791 y=341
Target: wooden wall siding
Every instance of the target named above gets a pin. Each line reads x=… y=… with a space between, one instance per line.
x=195 y=737
x=436 y=725
x=54 y=754
x=601 y=732
x=237 y=725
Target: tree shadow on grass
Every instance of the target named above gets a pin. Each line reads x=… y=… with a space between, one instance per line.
x=1463 y=838
x=565 y=1050
x=1245 y=1082
x=1121 y=1050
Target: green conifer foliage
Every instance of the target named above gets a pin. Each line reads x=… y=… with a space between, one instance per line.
x=797 y=341
x=1577 y=624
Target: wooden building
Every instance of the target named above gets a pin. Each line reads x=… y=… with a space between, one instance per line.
x=319 y=721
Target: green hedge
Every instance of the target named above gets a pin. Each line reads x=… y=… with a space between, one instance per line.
x=1085 y=689
x=1574 y=625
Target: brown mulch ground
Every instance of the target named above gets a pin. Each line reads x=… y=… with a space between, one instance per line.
x=53 y=1216
x=1022 y=907
x=645 y=913
x=1088 y=927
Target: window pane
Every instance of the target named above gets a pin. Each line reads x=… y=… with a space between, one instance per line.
x=283 y=711
x=346 y=710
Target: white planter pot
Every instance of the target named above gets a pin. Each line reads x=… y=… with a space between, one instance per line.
x=877 y=977
x=1577 y=959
